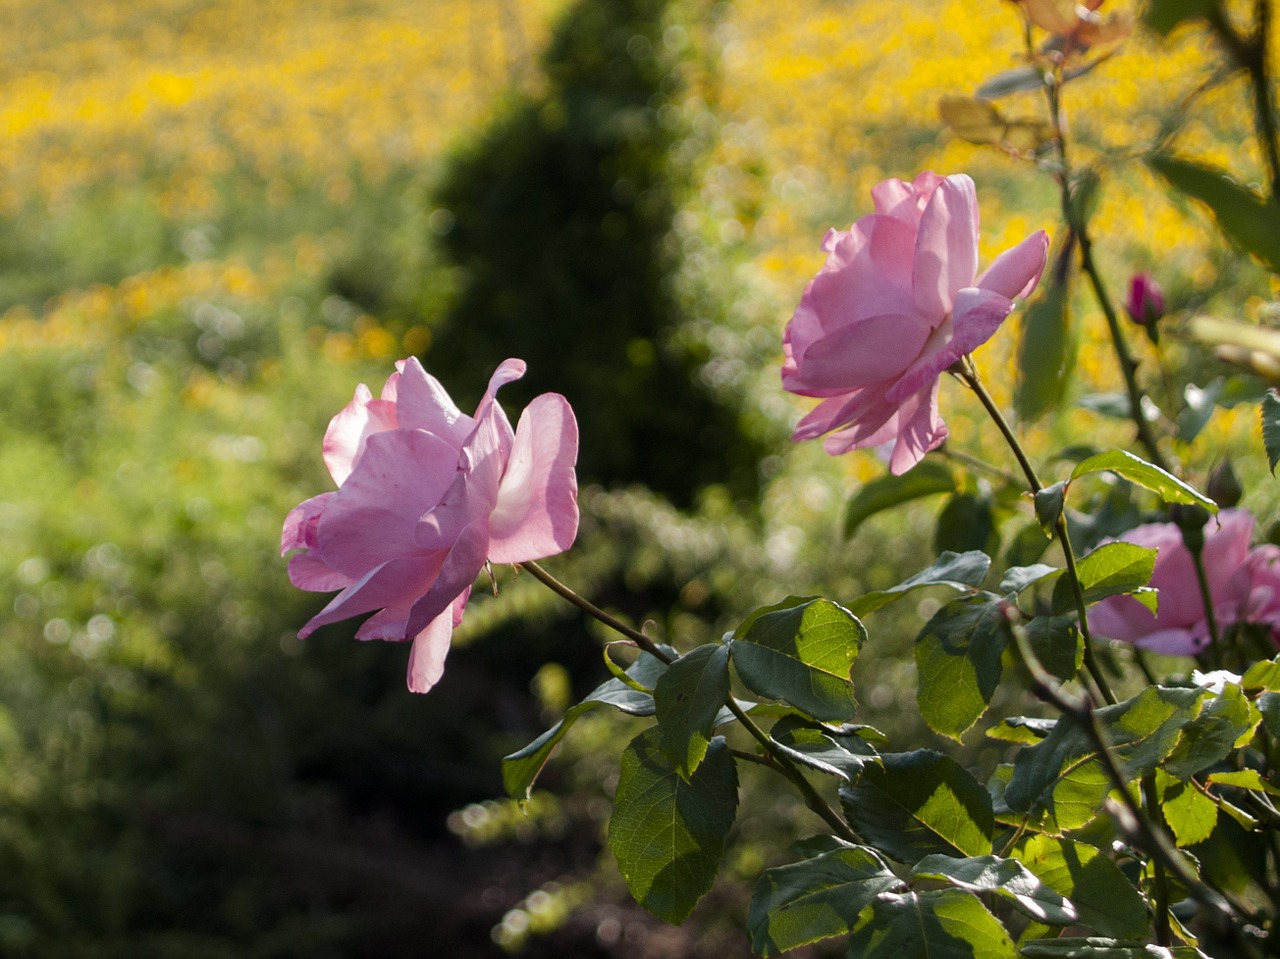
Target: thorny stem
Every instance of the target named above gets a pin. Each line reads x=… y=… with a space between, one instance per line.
x=775 y=760
x=1101 y=689
x=1128 y=366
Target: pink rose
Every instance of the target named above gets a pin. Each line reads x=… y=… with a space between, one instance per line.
x=1180 y=628
x=894 y=306
x=1259 y=585
x=427 y=496
x=1145 y=303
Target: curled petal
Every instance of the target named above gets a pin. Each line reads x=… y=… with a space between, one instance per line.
x=395 y=583
x=300 y=525
x=426 y=658
x=345 y=439
x=537 y=508
x=459 y=570
x=1017 y=270
x=423 y=404
x=858 y=355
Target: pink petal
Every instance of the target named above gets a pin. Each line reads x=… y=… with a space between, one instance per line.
x=461 y=566
x=426 y=658
x=858 y=355
x=394 y=583
x=537 y=509
x=946 y=251
x=422 y=403
x=1017 y=270
x=920 y=430
x=868 y=273
x=344 y=440
x=401 y=475
x=300 y=525
x=389 y=624
x=977 y=315
x=308 y=571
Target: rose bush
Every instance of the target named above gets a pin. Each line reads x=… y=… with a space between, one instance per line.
x=894 y=306
x=426 y=497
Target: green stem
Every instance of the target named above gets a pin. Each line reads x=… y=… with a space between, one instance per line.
x=776 y=760
x=1160 y=879
x=1211 y=620
x=1128 y=366
x=1101 y=688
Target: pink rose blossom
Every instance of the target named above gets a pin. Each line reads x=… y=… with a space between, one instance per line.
x=1145 y=303
x=426 y=497
x=1180 y=627
x=895 y=305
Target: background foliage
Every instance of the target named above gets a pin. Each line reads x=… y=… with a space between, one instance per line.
x=216 y=217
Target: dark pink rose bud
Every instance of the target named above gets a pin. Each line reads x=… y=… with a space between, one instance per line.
x=1146 y=300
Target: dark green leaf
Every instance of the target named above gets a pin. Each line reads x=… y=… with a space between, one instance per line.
x=958 y=662
x=1246 y=219
x=919 y=803
x=816 y=899
x=1085 y=190
x=1163 y=15
x=966 y=523
x=1165 y=485
x=927 y=478
x=1271 y=428
x=962 y=572
x=1005 y=877
x=1269 y=706
x=801 y=654
x=821 y=748
x=1105 y=900
x=1063 y=773
x=1225 y=722
x=1112 y=569
x=1049 y=502
x=1057 y=643
x=1046 y=351
x=1114 y=406
x=520 y=769
x=668 y=833
x=940 y=924
x=1027 y=546
x=1018 y=578
x=688 y=697
x=1096 y=947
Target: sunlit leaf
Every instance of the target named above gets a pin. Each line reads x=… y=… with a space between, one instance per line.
x=1105 y=900
x=687 y=698
x=980 y=121
x=940 y=924
x=1007 y=878
x=958 y=662
x=668 y=833
x=1165 y=485
x=962 y=572
x=1271 y=428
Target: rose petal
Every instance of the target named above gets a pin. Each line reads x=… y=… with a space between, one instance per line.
x=857 y=355
x=422 y=403
x=461 y=566
x=946 y=248
x=394 y=583
x=426 y=658
x=344 y=440
x=299 y=530
x=537 y=510
x=1017 y=270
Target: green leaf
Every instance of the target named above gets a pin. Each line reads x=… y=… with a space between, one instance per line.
x=1163 y=15
x=1263 y=676
x=1165 y=485
x=940 y=924
x=804 y=902
x=1269 y=706
x=1085 y=190
x=1046 y=350
x=967 y=522
x=1049 y=502
x=1063 y=773
x=958 y=662
x=1004 y=877
x=1011 y=81
x=668 y=833
x=1226 y=722
x=829 y=751
x=1057 y=643
x=1018 y=578
x=1105 y=900
x=1271 y=428
x=688 y=697
x=978 y=121
x=1246 y=219
x=927 y=478
x=520 y=770
x=1191 y=815
x=1200 y=406
x=1026 y=730
x=801 y=654
x=962 y=572
x=1096 y=947
x=1113 y=569
x=919 y=803
x=1243 y=779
